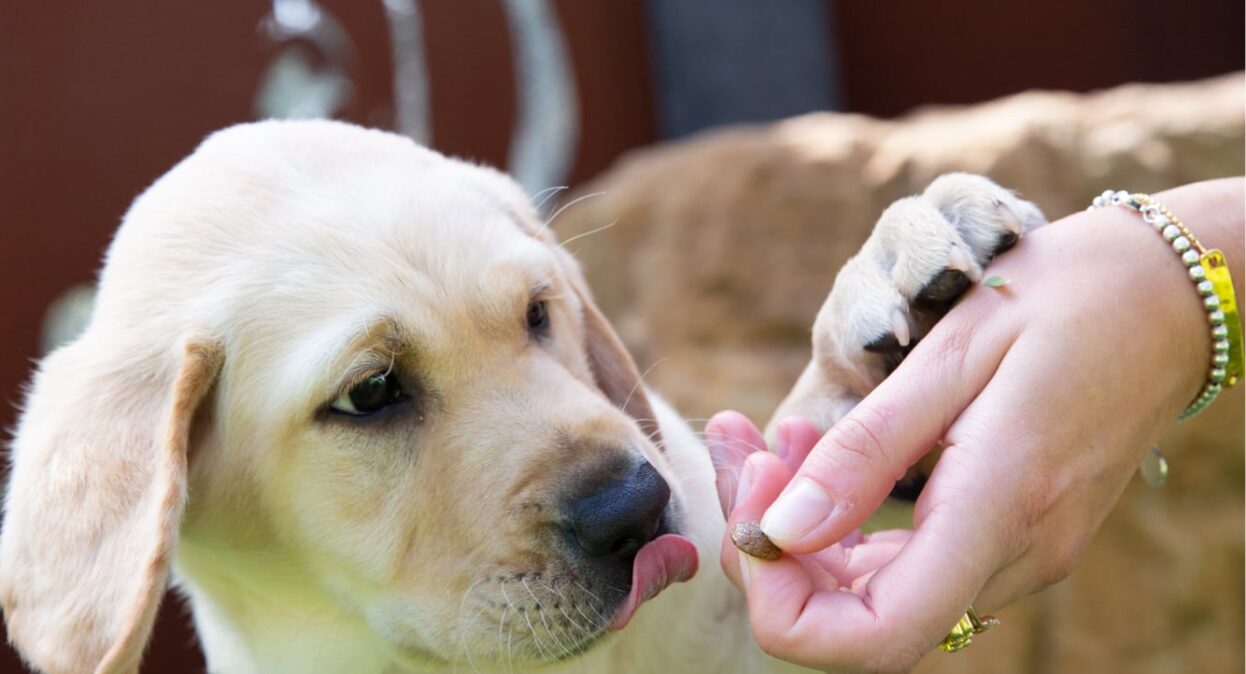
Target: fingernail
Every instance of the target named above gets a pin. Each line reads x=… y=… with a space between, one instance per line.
x=745 y=563
x=800 y=508
x=746 y=481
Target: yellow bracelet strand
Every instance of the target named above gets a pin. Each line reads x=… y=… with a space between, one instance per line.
x=1209 y=272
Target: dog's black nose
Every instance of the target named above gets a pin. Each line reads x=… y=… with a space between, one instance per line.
x=624 y=514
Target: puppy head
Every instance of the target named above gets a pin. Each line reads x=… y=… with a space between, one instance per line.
x=367 y=363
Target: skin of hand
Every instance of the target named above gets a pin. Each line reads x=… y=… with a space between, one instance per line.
x=1046 y=393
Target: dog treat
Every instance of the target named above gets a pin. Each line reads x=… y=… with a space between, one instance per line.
x=749 y=538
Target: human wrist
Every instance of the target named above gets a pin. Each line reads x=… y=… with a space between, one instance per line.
x=1214 y=210
x=1218 y=205
x=1142 y=300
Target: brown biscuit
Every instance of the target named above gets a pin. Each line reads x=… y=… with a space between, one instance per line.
x=749 y=538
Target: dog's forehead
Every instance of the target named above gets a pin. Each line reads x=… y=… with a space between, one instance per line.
x=322 y=207
x=359 y=182
x=296 y=181
x=439 y=231
x=340 y=227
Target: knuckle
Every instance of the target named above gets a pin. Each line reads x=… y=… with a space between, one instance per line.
x=1031 y=516
x=1063 y=560
x=1022 y=517
x=1031 y=504
x=1014 y=543
x=856 y=439
x=953 y=339
x=1059 y=571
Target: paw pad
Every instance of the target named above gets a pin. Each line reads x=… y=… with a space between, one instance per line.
x=943 y=290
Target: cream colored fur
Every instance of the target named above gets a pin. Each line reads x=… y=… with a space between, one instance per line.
x=186 y=435
x=956 y=223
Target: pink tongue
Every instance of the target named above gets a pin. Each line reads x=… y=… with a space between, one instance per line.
x=662 y=562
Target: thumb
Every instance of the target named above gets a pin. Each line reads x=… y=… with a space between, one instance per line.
x=855 y=465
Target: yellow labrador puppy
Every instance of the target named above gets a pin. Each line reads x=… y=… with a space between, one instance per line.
x=351 y=398
x=361 y=403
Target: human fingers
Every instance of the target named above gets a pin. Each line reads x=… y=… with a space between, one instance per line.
x=854 y=466
x=762 y=477
x=903 y=596
x=795 y=437
x=868 y=556
x=775 y=587
x=1064 y=467
x=730 y=438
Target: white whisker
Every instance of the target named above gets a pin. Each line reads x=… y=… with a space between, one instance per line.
x=640 y=380
x=462 y=622
x=596 y=601
x=569 y=204
x=536 y=640
x=588 y=233
x=510 y=658
x=540 y=609
x=563 y=600
x=545 y=195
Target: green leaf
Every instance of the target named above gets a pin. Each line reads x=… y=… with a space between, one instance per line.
x=995 y=282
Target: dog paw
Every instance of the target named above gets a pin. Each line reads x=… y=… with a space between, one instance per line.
x=924 y=253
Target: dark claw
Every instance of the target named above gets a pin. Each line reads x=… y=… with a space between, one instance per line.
x=1006 y=240
x=889 y=347
x=885 y=344
x=909 y=487
x=943 y=289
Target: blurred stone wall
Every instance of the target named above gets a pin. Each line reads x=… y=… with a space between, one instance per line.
x=726 y=244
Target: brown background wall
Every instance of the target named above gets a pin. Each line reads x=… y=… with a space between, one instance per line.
x=100 y=98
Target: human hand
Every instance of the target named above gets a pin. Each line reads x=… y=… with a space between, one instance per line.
x=1045 y=394
x=741 y=458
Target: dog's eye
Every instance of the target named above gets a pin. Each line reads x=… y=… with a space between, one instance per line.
x=538 y=317
x=370 y=395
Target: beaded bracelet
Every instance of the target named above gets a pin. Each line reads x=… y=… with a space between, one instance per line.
x=1209 y=272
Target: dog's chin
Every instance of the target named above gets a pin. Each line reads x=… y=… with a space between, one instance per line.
x=523 y=618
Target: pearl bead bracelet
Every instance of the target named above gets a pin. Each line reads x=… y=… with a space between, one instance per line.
x=1209 y=273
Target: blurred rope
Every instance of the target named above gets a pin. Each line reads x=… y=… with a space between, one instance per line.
x=308 y=78
x=66 y=318
x=412 y=116
x=547 y=110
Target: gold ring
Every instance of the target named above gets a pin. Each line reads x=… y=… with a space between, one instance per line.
x=968 y=625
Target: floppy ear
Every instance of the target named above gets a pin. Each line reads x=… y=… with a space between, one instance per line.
x=95 y=500
x=613 y=368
